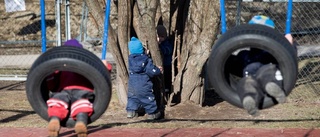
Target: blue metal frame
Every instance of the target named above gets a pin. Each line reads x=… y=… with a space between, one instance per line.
x=105 y=34
x=224 y=24
x=43 y=26
x=289 y=14
x=223 y=17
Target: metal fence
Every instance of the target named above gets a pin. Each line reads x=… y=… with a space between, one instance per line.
x=305 y=17
x=20 y=37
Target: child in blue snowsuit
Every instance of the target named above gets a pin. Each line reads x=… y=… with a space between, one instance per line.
x=260 y=73
x=140 y=93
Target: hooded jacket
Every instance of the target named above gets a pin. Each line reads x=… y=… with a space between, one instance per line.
x=141 y=70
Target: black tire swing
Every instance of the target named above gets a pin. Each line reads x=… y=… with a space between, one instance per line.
x=250 y=36
x=73 y=59
x=253 y=36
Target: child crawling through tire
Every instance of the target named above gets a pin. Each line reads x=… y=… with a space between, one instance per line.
x=71 y=94
x=260 y=73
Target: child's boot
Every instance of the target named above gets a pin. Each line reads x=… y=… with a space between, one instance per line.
x=250 y=95
x=275 y=91
x=271 y=80
x=54 y=127
x=154 y=116
x=81 y=125
x=132 y=114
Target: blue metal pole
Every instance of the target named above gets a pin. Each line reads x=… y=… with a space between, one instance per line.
x=43 y=26
x=289 y=14
x=223 y=17
x=105 y=31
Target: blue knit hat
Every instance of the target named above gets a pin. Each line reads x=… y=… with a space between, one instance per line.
x=135 y=46
x=72 y=42
x=263 y=20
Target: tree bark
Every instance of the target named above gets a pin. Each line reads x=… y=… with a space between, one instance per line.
x=165 y=13
x=199 y=35
x=98 y=13
x=124 y=24
x=194 y=22
x=147 y=12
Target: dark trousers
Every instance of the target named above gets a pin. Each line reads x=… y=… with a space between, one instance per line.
x=254 y=85
x=72 y=95
x=167 y=77
x=266 y=74
x=140 y=97
x=76 y=101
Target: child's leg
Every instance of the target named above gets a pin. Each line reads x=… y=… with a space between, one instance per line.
x=80 y=103
x=167 y=81
x=250 y=94
x=81 y=124
x=54 y=127
x=81 y=109
x=271 y=83
x=149 y=103
x=57 y=110
x=132 y=104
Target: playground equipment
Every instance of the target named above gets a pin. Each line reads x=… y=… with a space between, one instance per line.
x=250 y=36
x=66 y=58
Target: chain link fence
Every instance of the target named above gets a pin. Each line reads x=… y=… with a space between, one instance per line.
x=20 y=37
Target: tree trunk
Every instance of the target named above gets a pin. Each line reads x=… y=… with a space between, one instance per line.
x=165 y=13
x=98 y=13
x=124 y=24
x=147 y=12
x=194 y=22
x=199 y=35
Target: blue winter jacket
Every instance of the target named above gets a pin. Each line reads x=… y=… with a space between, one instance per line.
x=166 y=49
x=141 y=69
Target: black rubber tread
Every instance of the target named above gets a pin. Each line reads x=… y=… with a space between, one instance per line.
x=256 y=36
x=66 y=58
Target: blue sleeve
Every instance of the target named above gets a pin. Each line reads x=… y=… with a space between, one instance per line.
x=251 y=69
x=151 y=69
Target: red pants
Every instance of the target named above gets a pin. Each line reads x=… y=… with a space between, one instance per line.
x=58 y=104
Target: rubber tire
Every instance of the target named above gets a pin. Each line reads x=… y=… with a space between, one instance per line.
x=67 y=58
x=257 y=36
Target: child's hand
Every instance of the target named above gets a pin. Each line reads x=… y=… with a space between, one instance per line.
x=289 y=38
x=161 y=69
x=147 y=51
x=108 y=65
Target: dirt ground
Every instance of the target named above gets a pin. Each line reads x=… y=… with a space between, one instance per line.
x=15 y=111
